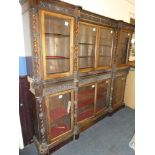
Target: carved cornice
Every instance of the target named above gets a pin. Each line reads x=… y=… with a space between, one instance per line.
x=98 y=19
x=124 y=25
x=55 y=7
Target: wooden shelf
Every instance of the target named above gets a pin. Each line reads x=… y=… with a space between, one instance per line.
x=86 y=114
x=57 y=35
x=105 y=45
x=58 y=113
x=87 y=56
x=85 y=103
x=104 y=56
x=56 y=57
x=87 y=44
x=86 y=92
x=59 y=130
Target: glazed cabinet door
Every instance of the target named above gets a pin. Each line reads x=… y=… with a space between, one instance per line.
x=86 y=97
x=57 y=44
x=102 y=95
x=118 y=91
x=105 y=46
x=59 y=109
x=123 y=47
x=87 y=46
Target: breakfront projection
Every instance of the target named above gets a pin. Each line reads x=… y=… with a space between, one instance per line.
x=77 y=63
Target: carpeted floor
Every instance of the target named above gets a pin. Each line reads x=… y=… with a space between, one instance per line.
x=110 y=136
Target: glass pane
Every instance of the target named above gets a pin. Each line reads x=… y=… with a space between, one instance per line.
x=132 y=49
x=87 y=43
x=101 y=95
x=122 y=48
x=85 y=102
x=57 y=44
x=86 y=62
x=105 y=47
x=118 y=90
x=60 y=114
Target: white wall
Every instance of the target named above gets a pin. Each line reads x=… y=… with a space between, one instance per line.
x=116 y=9
x=20 y=30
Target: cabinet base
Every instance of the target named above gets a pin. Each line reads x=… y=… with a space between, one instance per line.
x=116 y=108
x=76 y=137
x=55 y=148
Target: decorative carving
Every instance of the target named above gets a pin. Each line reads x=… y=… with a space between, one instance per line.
x=43 y=88
x=126 y=26
x=94 y=79
x=38 y=87
x=89 y=17
x=102 y=77
x=109 y=22
x=41 y=118
x=115 y=48
x=54 y=7
x=35 y=44
x=99 y=19
x=58 y=88
x=43 y=148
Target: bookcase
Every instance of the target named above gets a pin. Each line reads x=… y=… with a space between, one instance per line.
x=77 y=63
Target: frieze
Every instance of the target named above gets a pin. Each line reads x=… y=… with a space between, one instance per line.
x=120 y=74
x=53 y=7
x=124 y=25
x=100 y=20
x=87 y=81
x=109 y=22
x=89 y=17
x=58 y=88
x=95 y=79
x=102 y=77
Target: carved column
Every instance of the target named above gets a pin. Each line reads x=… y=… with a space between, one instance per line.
x=34 y=16
x=76 y=76
x=113 y=72
x=37 y=84
x=42 y=140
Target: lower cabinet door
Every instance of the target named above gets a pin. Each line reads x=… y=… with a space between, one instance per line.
x=102 y=95
x=86 y=96
x=60 y=114
x=118 y=90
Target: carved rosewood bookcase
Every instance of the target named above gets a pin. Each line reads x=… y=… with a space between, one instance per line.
x=77 y=68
